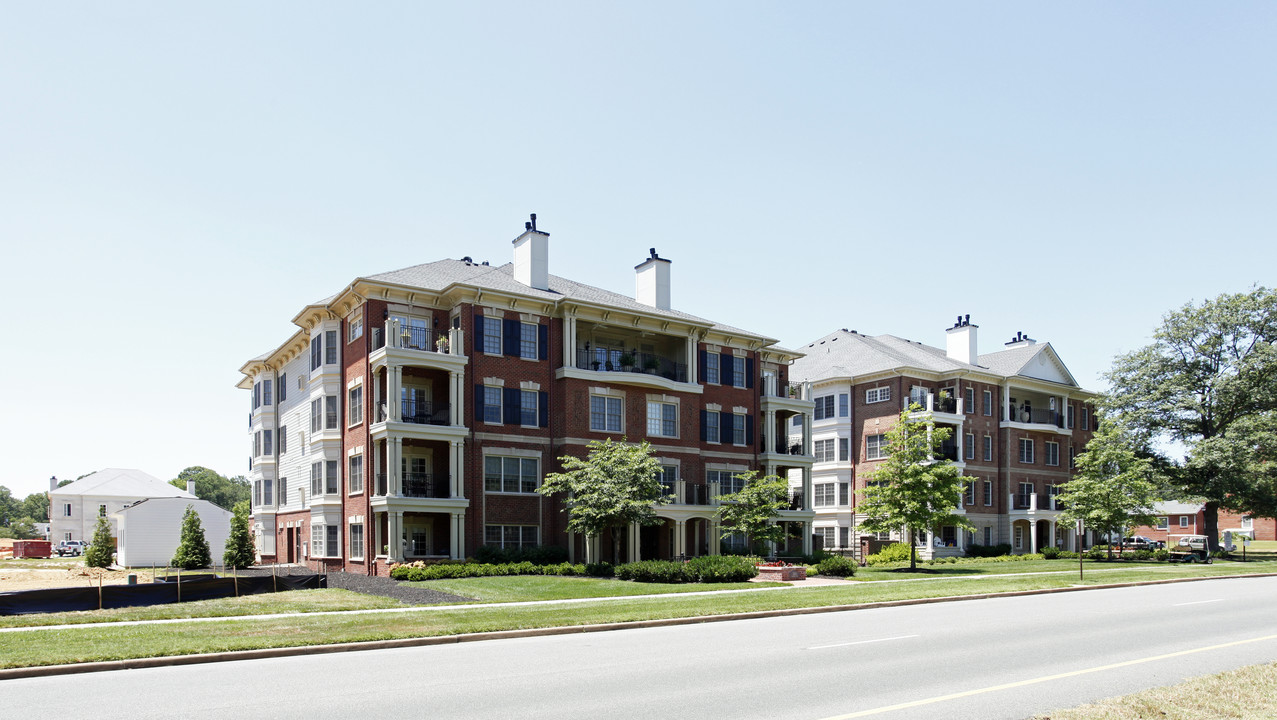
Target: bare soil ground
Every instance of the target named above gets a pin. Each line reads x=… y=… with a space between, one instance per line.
x=56 y=572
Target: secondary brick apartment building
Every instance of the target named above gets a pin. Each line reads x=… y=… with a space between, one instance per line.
x=414 y=413
x=1017 y=415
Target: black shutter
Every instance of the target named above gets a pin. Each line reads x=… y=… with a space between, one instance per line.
x=750 y=439
x=749 y=372
x=543 y=342
x=477 y=340
x=704 y=414
x=510 y=414
x=543 y=407
x=725 y=368
x=700 y=367
x=478 y=403
x=510 y=337
x=725 y=422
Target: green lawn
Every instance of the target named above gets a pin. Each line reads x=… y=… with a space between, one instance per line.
x=51 y=647
x=296 y=601
x=549 y=587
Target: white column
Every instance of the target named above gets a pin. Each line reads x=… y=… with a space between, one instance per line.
x=395 y=451
x=458 y=397
x=378 y=536
x=1033 y=536
x=693 y=361
x=807 y=488
x=806 y=530
x=394 y=525
x=395 y=380
x=456 y=458
x=769 y=431
x=569 y=341
x=1006 y=402
x=632 y=553
x=680 y=538
x=456 y=535
x=712 y=539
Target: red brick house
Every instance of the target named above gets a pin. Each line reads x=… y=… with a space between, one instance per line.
x=413 y=413
x=1175 y=519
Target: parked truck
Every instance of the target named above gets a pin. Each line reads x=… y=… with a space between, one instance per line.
x=1191 y=549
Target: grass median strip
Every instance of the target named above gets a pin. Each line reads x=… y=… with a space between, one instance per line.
x=1248 y=693
x=74 y=645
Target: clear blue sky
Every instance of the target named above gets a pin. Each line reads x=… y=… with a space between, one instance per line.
x=177 y=181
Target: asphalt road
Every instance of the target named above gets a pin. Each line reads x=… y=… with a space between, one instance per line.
x=1004 y=658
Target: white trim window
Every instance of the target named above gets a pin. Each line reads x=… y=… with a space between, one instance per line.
x=1162 y=523
x=824 y=407
x=971 y=492
x=492 y=335
x=510 y=536
x=606 y=414
x=738 y=372
x=355 y=405
x=988 y=403
x=878 y=394
x=824 y=450
x=491 y=400
x=1183 y=521
x=711 y=426
x=825 y=494
x=510 y=474
x=988 y=493
x=968 y=401
x=1248 y=523
x=355 y=325
x=711 y=368
x=528 y=340
x=356 y=541
x=969 y=451
x=1052 y=453
x=355 y=474
x=528 y=409
x=662 y=419
x=729 y=481
x=875 y=447
x=738 y=428
x=66 y=509
x=1026 y=451
x=317 y=539
x=988 y=448
x=1086 y=418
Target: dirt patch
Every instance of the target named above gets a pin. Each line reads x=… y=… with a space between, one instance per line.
x=36 y=574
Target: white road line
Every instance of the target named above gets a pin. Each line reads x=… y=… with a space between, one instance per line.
x=1197 y=602
x=863 y=642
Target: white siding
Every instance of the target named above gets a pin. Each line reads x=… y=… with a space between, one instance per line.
x=151 y=531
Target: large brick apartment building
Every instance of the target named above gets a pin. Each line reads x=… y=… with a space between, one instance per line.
x=1018 y=419
x=413 y=414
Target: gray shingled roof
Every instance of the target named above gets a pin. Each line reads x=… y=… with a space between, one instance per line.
x=846 y=353
x=440 y=274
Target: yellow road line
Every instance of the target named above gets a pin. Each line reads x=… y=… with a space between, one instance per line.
x=1047 y=678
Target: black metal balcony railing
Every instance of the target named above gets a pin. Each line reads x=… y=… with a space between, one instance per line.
x=1023 y=502
x=949 y=450
x=668 y=489
x=796 y=500
x=945 y=404
x=410 y=338
x=644 y=363
x=697 y=494
x=426 y=485
x=1033 y=415
x=424 y=412
x=418 y=485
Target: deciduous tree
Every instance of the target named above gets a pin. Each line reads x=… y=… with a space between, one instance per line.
x=753 y=509
x=1114 y=488
x=1210 y=367
x=218 y=489
x=615 y=485
x=916 y=487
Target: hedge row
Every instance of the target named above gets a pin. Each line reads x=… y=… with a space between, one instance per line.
x=417 y=571
x=706 y=569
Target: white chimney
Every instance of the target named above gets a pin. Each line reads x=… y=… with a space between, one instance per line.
x=53 y=483
x=1020 y=340
x=960 y=343
x=532 y=256
x=652 y=281
x=190 y=486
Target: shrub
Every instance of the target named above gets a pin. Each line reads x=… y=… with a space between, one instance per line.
x=978 y=551
x=541 y=555
x=1050 y=553
x=721 y=569
x=895 y=552
x=654 y=571
x=418 y=571
x=1068 y=555
x=1143 y=554
x=1221 y=554
x=600 y=569
x=99 y=552
x=837 y=566
x=1096 y=553
x=1162 y=554
x=193 y=550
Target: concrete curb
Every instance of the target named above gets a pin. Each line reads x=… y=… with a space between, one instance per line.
x=138 y=663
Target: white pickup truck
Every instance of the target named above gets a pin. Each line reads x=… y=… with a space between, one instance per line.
x=1191 y=549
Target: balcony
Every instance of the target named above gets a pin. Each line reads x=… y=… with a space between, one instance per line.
x=418 y=485
x=1034 y=416
x=933 y=403
x=419 y=413
x=604 y=360
x=681 y=492
x=949 y=450
x=1033 y=502
x=796 y=499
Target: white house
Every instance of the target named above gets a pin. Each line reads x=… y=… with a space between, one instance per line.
x=151 y=530
x=74 y=509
